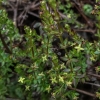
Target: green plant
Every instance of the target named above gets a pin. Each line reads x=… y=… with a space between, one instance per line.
x=46 y=73
x=87 y=9
x=71 y=16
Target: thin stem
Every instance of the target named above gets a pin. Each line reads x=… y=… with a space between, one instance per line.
x=83 y=92
x=5 y=45
x=11 y=99
x=97 y=85
x=95 y=75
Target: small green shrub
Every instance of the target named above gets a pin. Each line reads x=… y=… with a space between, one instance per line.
x=45 y=73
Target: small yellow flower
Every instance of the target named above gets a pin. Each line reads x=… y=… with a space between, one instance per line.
x=21 y=80
x=34 y=66
x=48 y=88
x=14 y=23
x=66 y=26
x=69 y=15
x=68 y=83
x=73 y=44
x=79 y=48
x=65 y=73
x=92 y=58
x=63 y=66
x=61 y=79
x=43 y=2
x=53 y=80
x=41 y=74
x=27 y=88
x=44 y=58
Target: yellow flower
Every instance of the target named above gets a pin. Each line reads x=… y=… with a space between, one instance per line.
x=92 y=58
x=48 y=88
x=61 y=79
x=66 y=26
x=69 y=15
x=27 y=88
x=41 y=74
x=34 y=66
x=79 y=48
x=53 y=80
x=21 y=80
x=73 y=44
x=65 y=73
x=68 y=83
x=14 y=23
x=44 y=58
x=43 y=2
x=63 y=66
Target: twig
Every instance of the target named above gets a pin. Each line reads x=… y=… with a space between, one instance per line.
x=92 y=31
x=97 y=85
x=83 y=92
x=86 y=19
x=19 y=9
x=22 y=18
x=63 y=16
x=32 y=6
x=11 y=99
x=31 y=13
x=95 y=75
x=15 y=13
x=14 y=8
